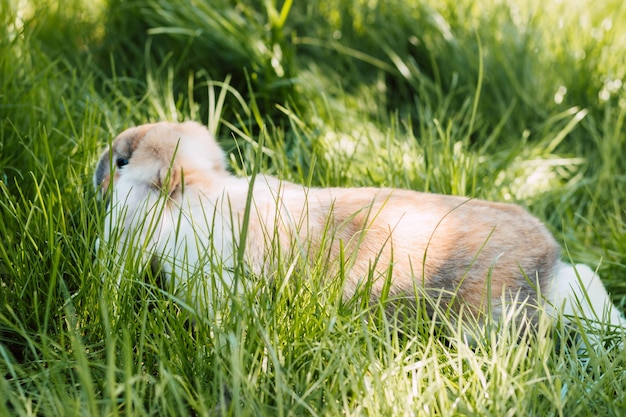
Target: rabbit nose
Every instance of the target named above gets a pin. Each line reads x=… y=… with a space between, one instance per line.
x=104 y=185
x=104 y=192
x=107 y=183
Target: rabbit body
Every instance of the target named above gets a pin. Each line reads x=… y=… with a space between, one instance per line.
x=174 y=198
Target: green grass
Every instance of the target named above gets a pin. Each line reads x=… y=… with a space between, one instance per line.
x=508 y=101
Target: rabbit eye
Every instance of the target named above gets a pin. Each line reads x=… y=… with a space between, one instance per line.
x=120 y=162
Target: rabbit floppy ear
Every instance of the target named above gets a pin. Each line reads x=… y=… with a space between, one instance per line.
x=169 y=178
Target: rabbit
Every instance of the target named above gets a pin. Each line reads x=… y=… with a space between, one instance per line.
x=170 y=194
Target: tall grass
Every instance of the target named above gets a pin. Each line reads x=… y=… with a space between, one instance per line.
x=504 y=100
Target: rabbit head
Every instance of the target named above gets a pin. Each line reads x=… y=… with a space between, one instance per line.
x=144 y=176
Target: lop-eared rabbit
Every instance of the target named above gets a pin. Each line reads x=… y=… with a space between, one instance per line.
x=170 y=195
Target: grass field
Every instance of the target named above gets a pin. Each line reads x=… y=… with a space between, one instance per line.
x=520 y=101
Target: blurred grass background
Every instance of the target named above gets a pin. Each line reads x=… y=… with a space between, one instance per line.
x=504 y=100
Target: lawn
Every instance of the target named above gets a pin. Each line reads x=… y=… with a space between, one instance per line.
x=516 y=101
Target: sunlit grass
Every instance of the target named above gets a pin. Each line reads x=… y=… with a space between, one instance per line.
x=509 y=101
